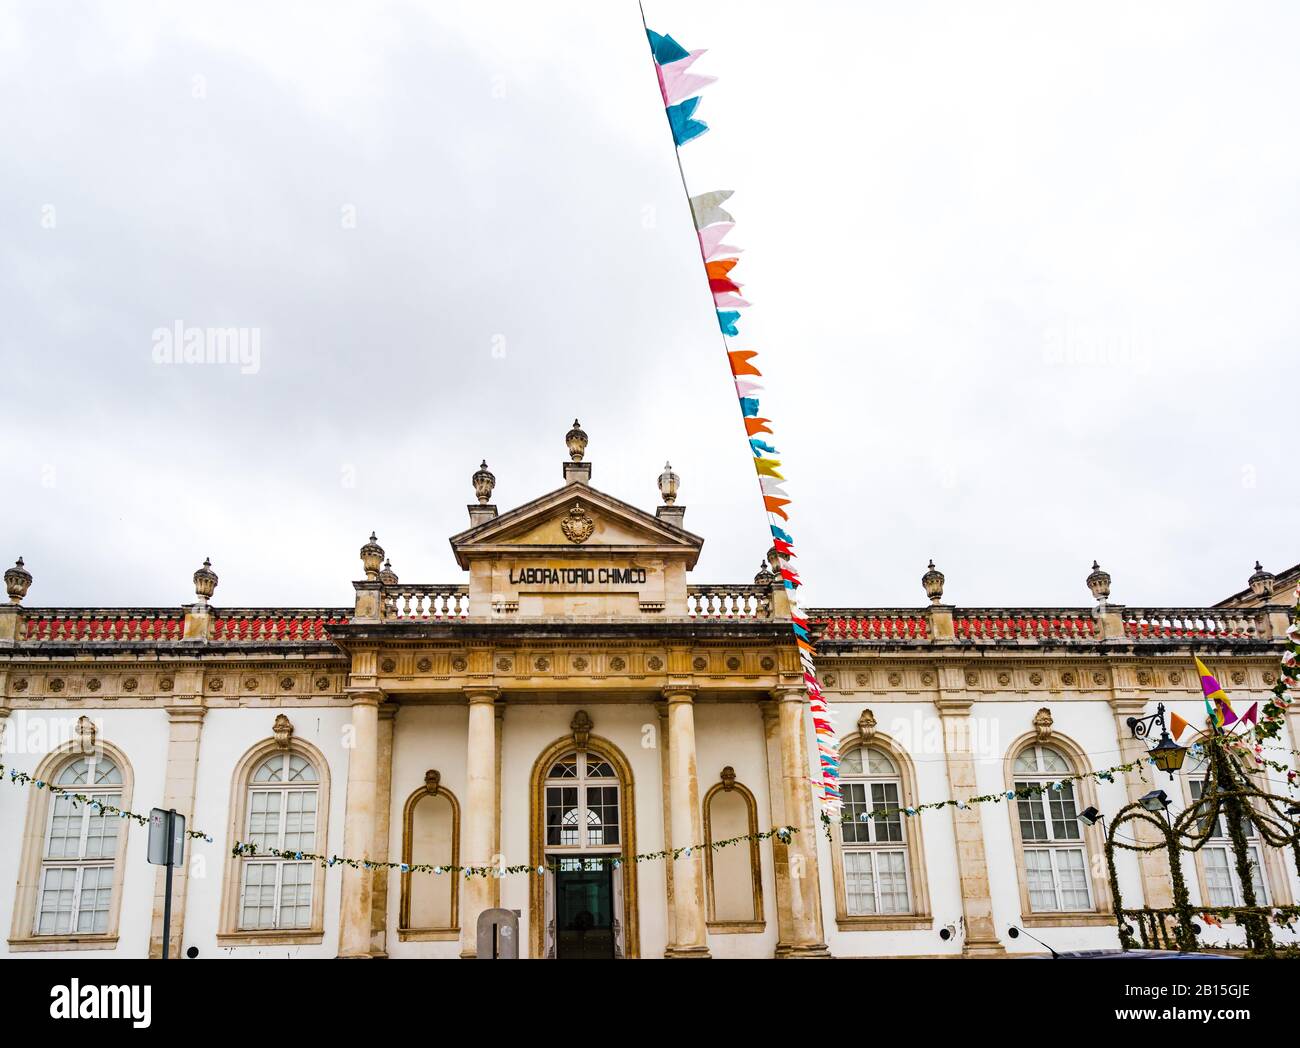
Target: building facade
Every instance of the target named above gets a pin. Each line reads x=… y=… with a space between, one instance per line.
x=575 y=697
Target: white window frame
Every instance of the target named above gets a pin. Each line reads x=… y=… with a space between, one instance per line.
x=1053 y=846
x=1220 y=834
x=873 y=847
x=582 y=781
x=80 y=863
x=285 y=787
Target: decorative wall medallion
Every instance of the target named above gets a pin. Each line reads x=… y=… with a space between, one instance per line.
x=215 y=684
x=700 y=664
x=867 y=724
x=654 y=662
x=503 y=665
x=1067 y=678
x=166 y=684
x=618 y=664
x=1099 y=678
x=424 y=665
x=972 y=679
x=282 y=729
x=1238 y=677
x=895 y=679
x=20 y=685
x=286 y=683
x=1144 y=677
x=1269 y=678
x=579 y=664
x=322 y=683
x=460 y=664
x=829 y=680
x=542 y=663
x=1175 y=677
x=862 y=679
x=432 y=782
x=250 y=683
x=728 y=778
x=733 y=663
x=577 y=526
x=1004 y=679
x=388 y=665
x=56 y=684
x=1035 y=678
x=768 y=663
x=93 y=684
x=1043 y=724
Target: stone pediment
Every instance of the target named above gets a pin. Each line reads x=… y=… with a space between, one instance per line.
x=577 y=522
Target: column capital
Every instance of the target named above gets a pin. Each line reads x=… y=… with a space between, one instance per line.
x=789 y=693
x=479 y=694
x=365 y=697
x=1127 y=705
x=182 y=714
x=679 y=693
x=950 y=705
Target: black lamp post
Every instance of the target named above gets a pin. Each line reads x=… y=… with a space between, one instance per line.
x=1166 y=754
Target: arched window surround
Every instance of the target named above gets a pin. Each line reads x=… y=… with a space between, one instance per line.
x=230 y=933
x=22 y=938
x=404 y=931
x=921 y=917
x=537 y=837
x=758 y=922
x=1091 y=838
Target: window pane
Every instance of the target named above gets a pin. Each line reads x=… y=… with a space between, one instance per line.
x=859 y=883
x=264 y=818
x=1072 y=870
x=106 y=772
x=54 y=914
x=301 y=769
x=1257 y=878
x=562 y=801
x=96 y=894
x=878 y=763
x=300 y=821
x=889 y=827
x=891 y=869
x=1218 y=879
x=1065 y=822
x=75 y=774
x=855 y=827
x=851 y=763
x=64 y=840
x=602 y=803
x=1033 y=823
x=599 y=770
x=1039 y=881
x=101 y=830
x=295 y=895
x=271 y=769
x=565 y=768
x=257 y=909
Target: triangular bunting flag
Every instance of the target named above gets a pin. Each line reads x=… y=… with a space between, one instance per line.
x=740 y=362
x=706 y=207
x=682 y=120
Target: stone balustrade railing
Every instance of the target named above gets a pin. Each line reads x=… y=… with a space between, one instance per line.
x=271 y=624
x=102 y=624
x=425 y=602
x=1194 y=623
x=871 y=624
x=723 y=602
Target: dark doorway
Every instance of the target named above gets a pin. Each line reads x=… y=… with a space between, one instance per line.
x=584 y=912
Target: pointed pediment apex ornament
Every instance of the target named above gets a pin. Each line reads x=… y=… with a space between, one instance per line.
x=728 y=778
x=282 y=729
x=1043 y=724
x=581 y=727
x=432 y=782
x=867 y=724
x=86 y=734
x=578 y=525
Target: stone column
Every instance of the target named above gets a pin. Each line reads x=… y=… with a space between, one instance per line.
x=186 y=724
x=690 y=935
x=1157 y=889
x=807 y=937
x=382 y=844
x=359 y=826
x=776 y=806
x=479 y=836
x=665 y=802
x=981 y=939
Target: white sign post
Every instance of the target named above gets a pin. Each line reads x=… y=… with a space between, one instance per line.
x=166 y=848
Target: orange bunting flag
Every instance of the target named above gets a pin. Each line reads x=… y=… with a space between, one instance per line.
x=774 y=506
x=757 y=425
x=719 y=268
x=740 y=362
x=1177 y=725
x=767 y=468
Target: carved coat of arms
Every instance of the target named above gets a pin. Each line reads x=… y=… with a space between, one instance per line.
x=577 y=526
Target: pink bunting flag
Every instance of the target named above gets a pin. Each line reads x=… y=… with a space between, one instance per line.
x=726 y=300
x=744 y=389
x=676 y=83
x=711 y=240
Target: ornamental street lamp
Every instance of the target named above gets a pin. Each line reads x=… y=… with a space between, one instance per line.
x=1166 y=754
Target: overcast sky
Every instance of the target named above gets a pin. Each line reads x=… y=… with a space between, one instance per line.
x=1024 y=281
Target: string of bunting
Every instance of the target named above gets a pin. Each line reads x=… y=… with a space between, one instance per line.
x=781 y=833
x=21 y=778
x=678 y=85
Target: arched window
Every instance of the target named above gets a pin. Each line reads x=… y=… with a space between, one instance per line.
x=77 y=866
x=72 y=858
x=875 y=853
x=1052 y=848
x=733 y=874
x=1216 y=862
x=582 y=811
x=430 y=836
x=280 y=801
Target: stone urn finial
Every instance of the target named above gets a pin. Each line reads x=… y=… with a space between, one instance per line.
x=776 y=560
x=372 y=555
x=764 y=576
x=669 y=482
x=576 y=439
x=1262 y=583
x=1099 y=584
x=932 y=580
x=484 y=482
x=17 y=581
x=205 y=582
x=387 y=575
